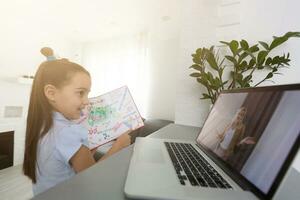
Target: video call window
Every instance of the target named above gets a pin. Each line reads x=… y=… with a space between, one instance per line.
x=253 y=132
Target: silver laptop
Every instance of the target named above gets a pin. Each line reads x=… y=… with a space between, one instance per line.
x=244 y=150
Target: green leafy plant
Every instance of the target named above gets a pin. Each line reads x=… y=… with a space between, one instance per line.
x=239 y=65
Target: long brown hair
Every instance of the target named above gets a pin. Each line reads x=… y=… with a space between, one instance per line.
x=39 y=119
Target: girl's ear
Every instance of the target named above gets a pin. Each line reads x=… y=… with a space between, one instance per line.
x=50 y=91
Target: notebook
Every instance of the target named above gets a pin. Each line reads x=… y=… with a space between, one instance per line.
x=243 y=151
x=109 y=115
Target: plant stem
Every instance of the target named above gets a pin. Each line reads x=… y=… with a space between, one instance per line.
x=219 y=72
x=259 y=82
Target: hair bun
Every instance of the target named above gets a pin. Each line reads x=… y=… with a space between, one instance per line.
x=48 y=52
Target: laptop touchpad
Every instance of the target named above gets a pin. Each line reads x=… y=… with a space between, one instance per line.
x=151 y=155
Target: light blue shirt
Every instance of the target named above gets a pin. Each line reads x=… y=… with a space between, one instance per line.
x=55 y=150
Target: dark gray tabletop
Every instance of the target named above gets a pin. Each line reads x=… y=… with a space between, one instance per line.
x=106 y=179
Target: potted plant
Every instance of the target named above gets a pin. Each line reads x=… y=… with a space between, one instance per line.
x=240 y=64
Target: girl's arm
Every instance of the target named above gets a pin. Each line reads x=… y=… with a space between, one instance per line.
x=83 y=158
x=121 y=142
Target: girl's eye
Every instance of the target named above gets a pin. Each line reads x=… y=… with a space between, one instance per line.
x=81 y=93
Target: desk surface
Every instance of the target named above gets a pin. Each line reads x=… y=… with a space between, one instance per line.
x=106 y=179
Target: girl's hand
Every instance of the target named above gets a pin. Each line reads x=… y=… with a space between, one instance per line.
x=93 y=151
x=123 y=140
x=247 y=140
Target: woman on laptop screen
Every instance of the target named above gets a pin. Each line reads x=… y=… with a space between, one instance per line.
x=232 y=136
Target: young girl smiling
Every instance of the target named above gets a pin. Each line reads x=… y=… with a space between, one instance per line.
x=56 y=146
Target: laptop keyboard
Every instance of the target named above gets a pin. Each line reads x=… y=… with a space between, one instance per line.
x=198 y=171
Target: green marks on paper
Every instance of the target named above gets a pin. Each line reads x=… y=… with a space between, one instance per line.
x=100 y=114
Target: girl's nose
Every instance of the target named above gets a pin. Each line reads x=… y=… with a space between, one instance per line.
x=85 y=101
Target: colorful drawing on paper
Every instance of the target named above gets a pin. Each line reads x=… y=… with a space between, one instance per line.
x=109 y=115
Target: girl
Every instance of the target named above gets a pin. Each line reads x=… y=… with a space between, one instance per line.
x=55 y=146
x=233 y=135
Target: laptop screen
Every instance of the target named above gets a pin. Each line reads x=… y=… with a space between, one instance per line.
x=253 y=131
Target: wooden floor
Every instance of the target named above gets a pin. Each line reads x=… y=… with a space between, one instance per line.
x=14 y=185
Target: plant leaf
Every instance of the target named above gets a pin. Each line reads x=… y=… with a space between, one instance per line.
x=244 y=44
x=261 y=57
x=279 y=40
x=248 y=78
x=210 y=77
x=270 y=75
x=201 y=80
x=212 y=60
x=268 y=61
x=197 y=60
x=234 y=45
x=292 y=34
x=224 y=83
x=275 y=60
x=195 y=74
x=199 y=51
x=226 y=43
x=251 y=63
x=265 y=45
x=254 y=48
x=231 y=59
x=196 y=67
x=243 y=65
x=242 y=57
x=250 y=54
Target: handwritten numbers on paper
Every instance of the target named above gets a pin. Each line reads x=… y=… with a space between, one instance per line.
x=105 y=136
x=92 y=131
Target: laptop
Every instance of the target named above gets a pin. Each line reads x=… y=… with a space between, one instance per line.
x=243 y=151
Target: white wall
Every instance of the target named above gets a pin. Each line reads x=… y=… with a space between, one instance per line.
x=198 y=29
x=260 y=20
x=163 y=62
x=206 y=22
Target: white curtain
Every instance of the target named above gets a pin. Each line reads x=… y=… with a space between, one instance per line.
x=116 y=62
